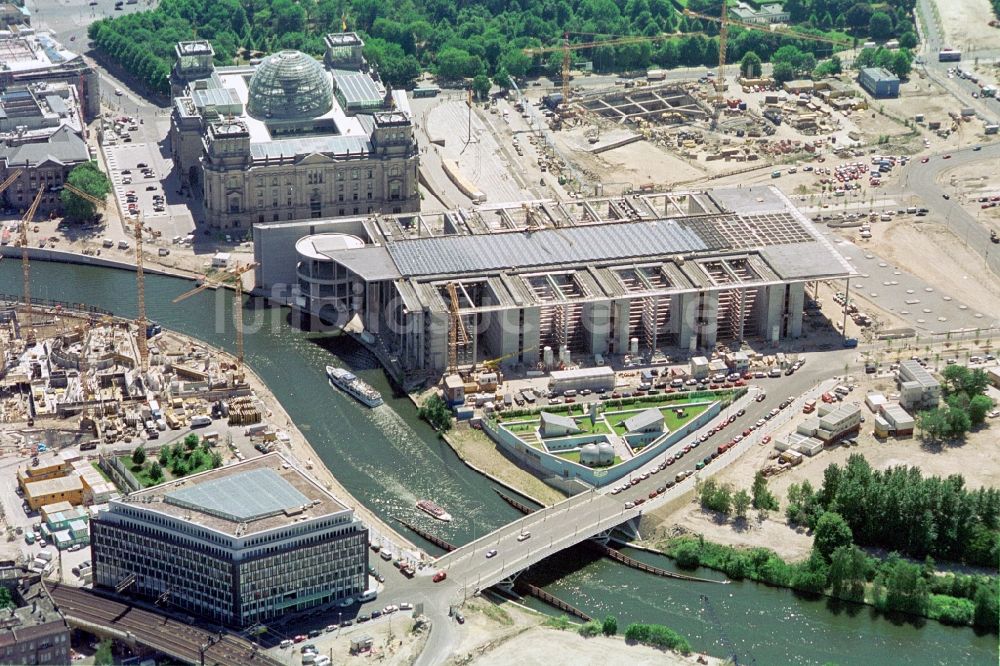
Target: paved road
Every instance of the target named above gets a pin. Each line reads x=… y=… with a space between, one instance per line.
x=922 y=178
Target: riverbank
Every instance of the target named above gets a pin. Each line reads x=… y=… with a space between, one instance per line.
x=66 y=257
x=504 y=632
x=874 y=587
x=480 y=453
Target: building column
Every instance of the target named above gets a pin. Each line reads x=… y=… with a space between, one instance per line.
x=597 y=323
x=709 y=331
x=796 y=302
x=772 y=305
x=682 y=318
x=620 y=333
x=531 y=351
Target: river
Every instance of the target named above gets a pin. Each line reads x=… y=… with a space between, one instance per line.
x=388 y=459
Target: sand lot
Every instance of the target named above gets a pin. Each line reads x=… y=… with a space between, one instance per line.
x=975 y=459
x=964 y=23
x=502 y=634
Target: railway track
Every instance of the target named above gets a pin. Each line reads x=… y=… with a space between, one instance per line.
x=158 y=631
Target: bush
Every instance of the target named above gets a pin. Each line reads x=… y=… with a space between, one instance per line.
x=950 y=610
x=435 y=411
x=657 y=635
x=610 y=625
x=687 y=554
x=590 y=629
x=191 y=442
x=139 y=455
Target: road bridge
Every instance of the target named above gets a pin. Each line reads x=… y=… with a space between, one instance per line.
x=131 y=624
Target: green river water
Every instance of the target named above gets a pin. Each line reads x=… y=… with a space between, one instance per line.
x=388 y=459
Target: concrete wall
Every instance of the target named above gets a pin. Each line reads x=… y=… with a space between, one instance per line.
x=552 y=465
x=274 y=248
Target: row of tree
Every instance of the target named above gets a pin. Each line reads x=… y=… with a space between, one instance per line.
x=463 y=40
x=899 y=509
x=723 y=499
x=838 y=568
x=87 y=178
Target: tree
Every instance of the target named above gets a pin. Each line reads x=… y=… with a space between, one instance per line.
x=610 y=625
x=880 y=25
x=933 y=423
x=832 y=532
x=902 y=63
x=481 y=86
x=848 y=565
x=750 y=66
x=6 y=600
x=104 y=656
x=155 y=471
x=979 y=406
x=986 y=612
x=688 y=554
x=906 y=588
x=164 y=458
x=741 y=502
x=782 y=72
x=216 y=460
x=191 y=442
x=763 y=499
x=960 y=379
x=435 y=411
x=139 y=456
x=908 y=40
x=88 y=178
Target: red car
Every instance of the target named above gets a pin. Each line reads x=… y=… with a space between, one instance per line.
x=299 y=638
x=438 y=577
x=925 y=160
x=765 y=439
x=946 y=157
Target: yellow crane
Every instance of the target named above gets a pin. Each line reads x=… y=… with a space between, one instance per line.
x=725 y=21
x=140 y=298
x=10 y=180
x=83 y=195
x=236 y=272
x=494 y=363
x=25 y=264
x=566 y=47
x=457 y=334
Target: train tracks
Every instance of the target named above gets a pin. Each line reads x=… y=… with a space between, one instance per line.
x=90 y=611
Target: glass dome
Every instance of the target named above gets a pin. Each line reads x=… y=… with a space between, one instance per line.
x=289 y=85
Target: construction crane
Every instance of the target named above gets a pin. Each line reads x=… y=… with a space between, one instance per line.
x=456 y=329
x=236 y=272
x=10 y=180
x=25 y=264
x=494 y=363
x=83 y=195
x=566 y=47
x=140 y=299
x=725 y=21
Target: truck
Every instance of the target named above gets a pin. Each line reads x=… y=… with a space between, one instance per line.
x=809 y=407
x=200 y=421
x=656 y=75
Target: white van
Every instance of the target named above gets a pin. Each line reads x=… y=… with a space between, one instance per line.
x=123 y=245
x=308 y=658
x=200 y=421
x=368 y=595
x=108 y=242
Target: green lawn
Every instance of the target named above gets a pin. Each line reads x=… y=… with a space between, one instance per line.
x=527 y=426
x=670 y=419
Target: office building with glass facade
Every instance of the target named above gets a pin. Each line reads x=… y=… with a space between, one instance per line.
x=238 y=545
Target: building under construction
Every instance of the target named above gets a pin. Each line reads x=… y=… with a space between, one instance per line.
x=661 y=105
x=545 y=283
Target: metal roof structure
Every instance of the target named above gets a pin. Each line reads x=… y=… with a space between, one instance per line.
x=250 y=495
x=358 y=89
x=644 y=419
x=466 y=254
x=332 y=144
x=289 y=85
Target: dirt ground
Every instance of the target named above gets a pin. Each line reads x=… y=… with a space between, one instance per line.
x=477 y=448
x=956 y=269
x=965 y=22
x=975 y=459
x=502 y=634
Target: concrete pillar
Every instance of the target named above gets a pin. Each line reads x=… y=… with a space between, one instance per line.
x=772 y=300
x=597 y=325
x=796 y=302
x=620 y=332
x=529 y=334
x=710 y=317
x=684 y=311
x=436 y=341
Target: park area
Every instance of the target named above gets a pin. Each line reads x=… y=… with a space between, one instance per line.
x=175 y=460
x=609 y=424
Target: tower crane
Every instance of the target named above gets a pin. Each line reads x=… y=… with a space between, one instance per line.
x=566 y=47
x=457 y=334
x=83 y=195
x=10 y=180
x=725 y=21
x=236 y=272
x=25 y=264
